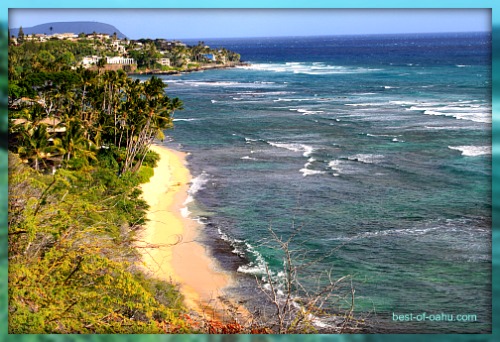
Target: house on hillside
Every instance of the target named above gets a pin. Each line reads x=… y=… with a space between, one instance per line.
x=89 y=61
x=163 y=61
x=53 y=125
x=39 y=37
x=209 y=56
x=120 y=60
x=118 y=46
x=63 y=36
x=99 y=36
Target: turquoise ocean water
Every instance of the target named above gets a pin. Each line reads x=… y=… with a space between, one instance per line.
x=377 y=147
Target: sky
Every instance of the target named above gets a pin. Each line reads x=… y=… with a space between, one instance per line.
x=233 y=23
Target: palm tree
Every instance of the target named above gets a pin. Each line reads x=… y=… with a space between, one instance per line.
x=152 y=115
x=73 y=143
x=34 y=145
x=20 y=35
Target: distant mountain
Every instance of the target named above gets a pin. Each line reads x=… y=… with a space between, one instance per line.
x=77 y=27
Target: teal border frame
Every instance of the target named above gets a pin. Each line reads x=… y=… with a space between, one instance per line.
x=494 y=5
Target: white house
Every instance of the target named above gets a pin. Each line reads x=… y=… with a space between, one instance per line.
x=117 y=46
x=120 y=60
x=90 y=60
x=164 y=61
x=64 y=35
x=93 y=60
x=98 y=36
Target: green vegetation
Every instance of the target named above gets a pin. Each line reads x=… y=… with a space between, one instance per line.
x=72 y=262
x=181 y=57
x=38 y=52
x=78 y=149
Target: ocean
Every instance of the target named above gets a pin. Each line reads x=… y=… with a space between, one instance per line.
x=373 y=152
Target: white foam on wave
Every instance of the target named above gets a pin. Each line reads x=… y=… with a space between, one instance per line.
x=316 y=68
x=476 y=117
x=441 y=229
x=257 y=267
x=336 y=166
x=378 y=135
x=404 y=103
x=248 y=158
x=235 y=243
x=224 y=84
x=461 y=110
x=198 y=183
x=306 y=149
x=250 y=140
x=440 y=128
x=308 y=172
x=366 y=158
x=264 y=93
x=472 y=151
x=295 y=99
x=185 y=212
x=362 y=104
x=185 y=119
x=305 y=111
x=388 y=232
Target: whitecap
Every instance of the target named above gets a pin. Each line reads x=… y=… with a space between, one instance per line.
x=366 y=158
x=257 y=267
x=335 y=165
x=476 y=117
x=403 y=103
x=198 y=183
x=306 y=149
x=294 y=100
x=185 y=119
x=461 y=110
x=305 y=111
x=249 y=140
x=308 y=172
x=185 y=212
x=315 y=68
x=472 y=151
x=362 y=104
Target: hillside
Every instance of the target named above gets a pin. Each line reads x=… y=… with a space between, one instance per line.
x=77 y=27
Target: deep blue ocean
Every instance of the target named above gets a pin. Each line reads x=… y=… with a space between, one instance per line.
x=376 y=148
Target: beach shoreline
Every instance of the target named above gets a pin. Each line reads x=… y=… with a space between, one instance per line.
x=176 y=255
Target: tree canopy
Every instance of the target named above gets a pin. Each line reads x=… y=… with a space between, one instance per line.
x=79 y=147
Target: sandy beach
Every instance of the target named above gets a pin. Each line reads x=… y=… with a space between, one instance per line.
x=177 y=256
